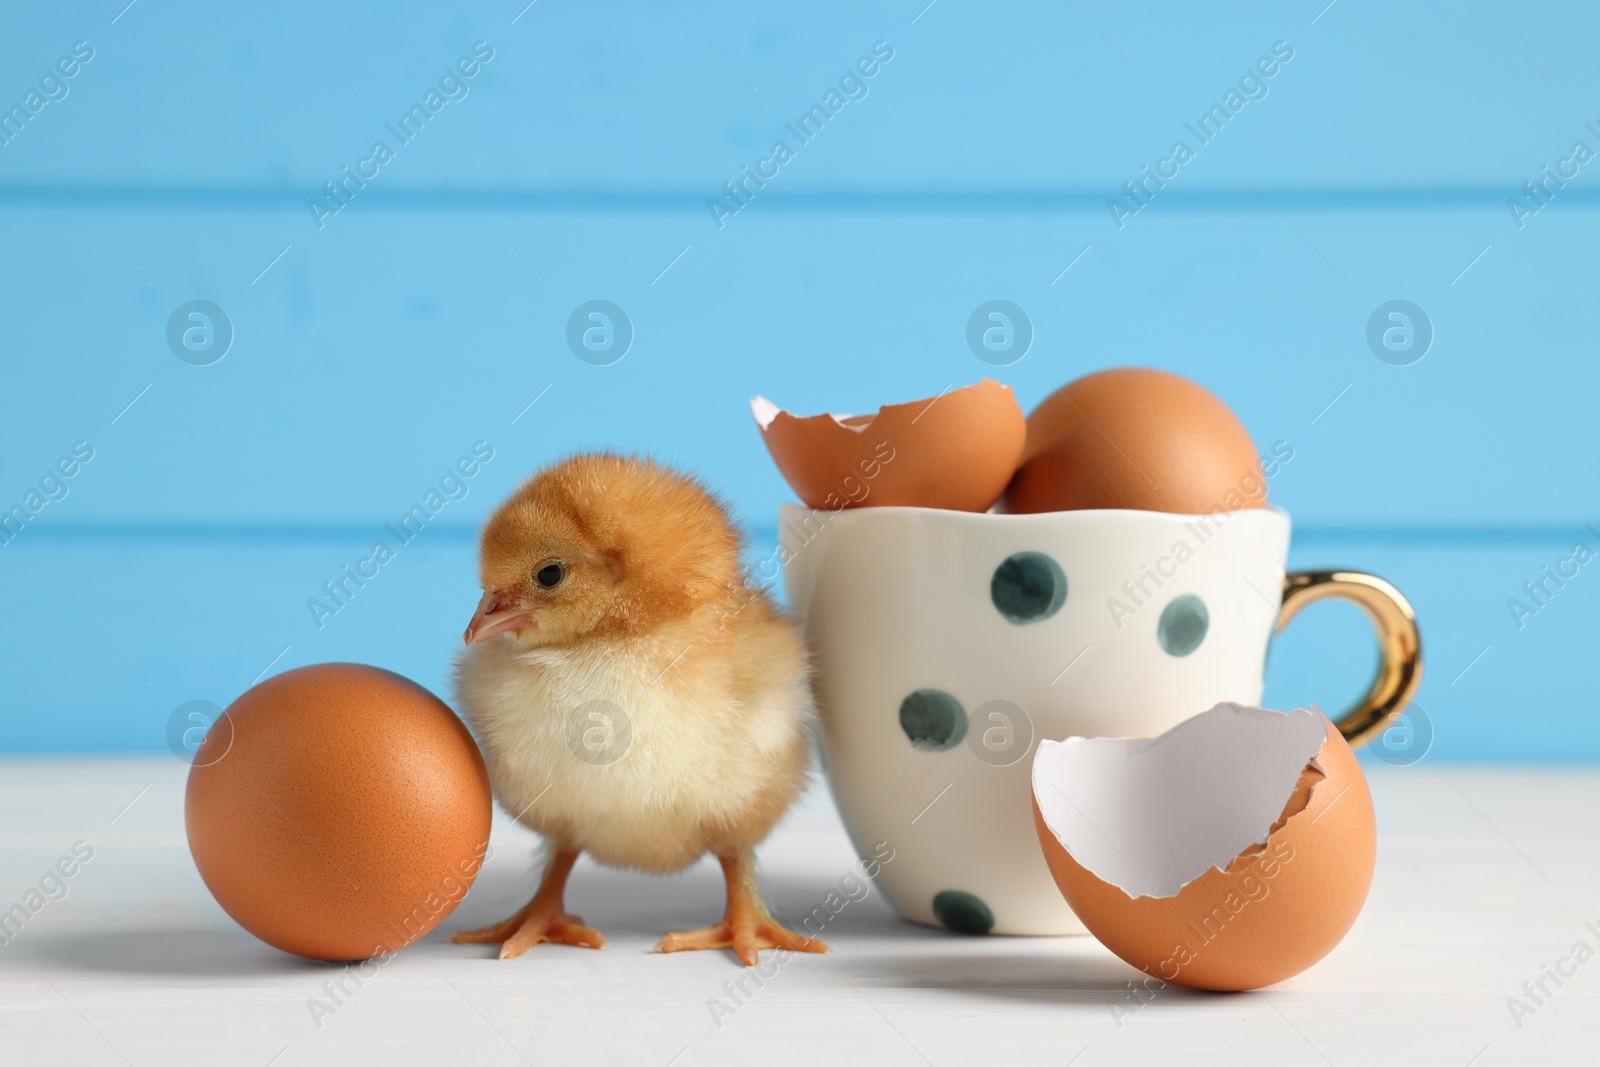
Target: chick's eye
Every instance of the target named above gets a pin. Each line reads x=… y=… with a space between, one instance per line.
x=549 y=576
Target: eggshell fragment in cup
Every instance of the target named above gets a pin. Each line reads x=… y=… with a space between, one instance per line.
x=955 y=451
x=1136 y=438
x=1232 y=852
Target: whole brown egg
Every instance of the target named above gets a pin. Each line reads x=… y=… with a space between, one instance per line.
x=338 y=811
x=1136 y=438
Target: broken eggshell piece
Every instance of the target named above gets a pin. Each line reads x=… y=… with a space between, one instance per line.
x=955 y=451
x=1231 y=852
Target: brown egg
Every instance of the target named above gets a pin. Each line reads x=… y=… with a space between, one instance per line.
x=1136 y=438
x=955 y=451
x=338 y=811
x=1144 y=844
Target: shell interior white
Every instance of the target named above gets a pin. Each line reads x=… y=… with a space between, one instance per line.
x=1150 y=815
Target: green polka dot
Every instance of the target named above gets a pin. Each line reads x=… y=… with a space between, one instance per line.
x=1183 y=625
x=1028 y=587
x=963 y=912
x=933 y=720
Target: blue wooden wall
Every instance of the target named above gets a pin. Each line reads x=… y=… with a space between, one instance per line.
x=372 y=347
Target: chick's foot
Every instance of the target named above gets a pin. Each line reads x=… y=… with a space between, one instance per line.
x=528 y=928
x=745 y=927
x=746 y=939
x=542 y=919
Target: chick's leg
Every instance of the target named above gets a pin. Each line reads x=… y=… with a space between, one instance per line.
x=543 y=918
x=745 y=927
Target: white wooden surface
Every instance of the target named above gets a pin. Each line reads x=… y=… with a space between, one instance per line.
x=1485 y=876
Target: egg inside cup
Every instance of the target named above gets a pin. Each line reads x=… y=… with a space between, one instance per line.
x=1229 y=853
x=1134 y=437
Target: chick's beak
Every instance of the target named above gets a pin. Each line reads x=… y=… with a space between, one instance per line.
x=497 y=614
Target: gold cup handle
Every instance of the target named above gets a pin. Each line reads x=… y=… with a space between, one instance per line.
x=1399 y=643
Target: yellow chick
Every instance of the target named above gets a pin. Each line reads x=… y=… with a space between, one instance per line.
x=635 y=697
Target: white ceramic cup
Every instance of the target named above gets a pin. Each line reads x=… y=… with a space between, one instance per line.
x=946 y=643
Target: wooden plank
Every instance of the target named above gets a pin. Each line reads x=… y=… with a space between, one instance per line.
x=108 y=635
x=374 y=354
x=641 y=96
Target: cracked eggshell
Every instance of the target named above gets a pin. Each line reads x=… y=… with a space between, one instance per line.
x=956 y=451
x=1232 y=852
x=1136 y=438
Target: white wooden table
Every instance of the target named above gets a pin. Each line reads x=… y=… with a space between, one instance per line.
x=1485 y=877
